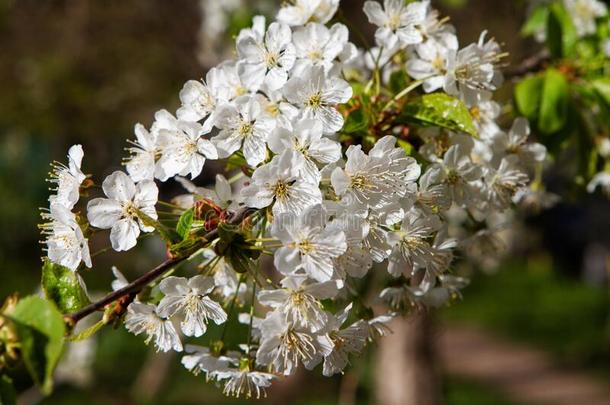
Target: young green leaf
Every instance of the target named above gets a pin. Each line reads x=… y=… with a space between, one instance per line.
x=561 y=34
x=602 y=88
x=554 y=102
x=356 y=121
x=440 y=109
x=183 y=227
x=527 y=96
x=64 y=287
x=41 y=329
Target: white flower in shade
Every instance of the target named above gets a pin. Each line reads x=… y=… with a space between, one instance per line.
x=602 y=180
x=431 y=61
x=317 y=96
x=243 y=382
x=68 y=178
x=434 y=27
x=142 y=164
x=183 y=150
x=222 y=195
x=484 y=115
x=310 y=147
x=279 y=183
x=318 y=45
x=458 y=172
x=397 y=21
x=356 y=261
x=474 y=74
x=432 y=196
x=65 y=242
x=515 y=143
x=234 y=85
x=142 y=318
x=266 y=62
x=411 y=247
x=275 y=107
x=378 y=327
x=119 y=279
x=584 y=13
x=376 y=179
x=299 y=301
x=283 y=346
x=300 y=12
x=200 y=359
x=189 y=297
x=308 y=245
x=256 y=32
x=200 y=99
x=503 y=183
x=243 y=125
x=120 y=212
x=350 y=340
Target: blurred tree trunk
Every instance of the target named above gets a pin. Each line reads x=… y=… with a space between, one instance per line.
x=406 y=372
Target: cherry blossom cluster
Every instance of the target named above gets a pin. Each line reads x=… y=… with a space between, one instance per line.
x=328 y=213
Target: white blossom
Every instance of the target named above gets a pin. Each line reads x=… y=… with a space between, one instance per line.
x=243 y=125
x=268 y=61
x=317 y=95
x=142 y=318
x=309 y=246
x=68 y=178
x=189 y=297
x=397 y=21
x=278 y=183
x=65 y=242
x=584 y=13
x=121 y=211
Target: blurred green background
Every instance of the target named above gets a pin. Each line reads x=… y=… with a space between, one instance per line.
x=78 y=71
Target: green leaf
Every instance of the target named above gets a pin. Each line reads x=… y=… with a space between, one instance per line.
x=63 y=286
x=356 y=121
x=406 y=146
x=536 y=21
x=527 y=96
x=440 y=110
x=168 y=234
x=561 y=34
x=183 y=227
x=602 y=88
x=554 y=102
x=41 y=329
x=8 y=396
x=398 y=81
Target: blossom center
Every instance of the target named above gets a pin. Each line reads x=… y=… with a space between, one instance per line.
x=281 y=190
x=315 y=100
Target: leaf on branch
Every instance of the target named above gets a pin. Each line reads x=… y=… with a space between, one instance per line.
x=553 y=102
x=183 y=227
x=561 y=33
x=41 y=329
x=442 y=110
x=64 y=287
x=527 y=97
x=168 y=234
x=356 y=121
x=602 y=88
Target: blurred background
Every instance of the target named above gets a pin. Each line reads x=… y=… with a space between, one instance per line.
x=535 y=328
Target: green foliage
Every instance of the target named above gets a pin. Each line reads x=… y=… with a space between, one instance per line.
x=7 y=391
x=561 y=34
x=601 y=86
x=442 y=110
x=553 y=102
x=41 y=329
x=536 y=21
x=527 y=96
x=356 y=121
x=183 y=227
x=169 y=235
x=63 y=286
x=234 y=247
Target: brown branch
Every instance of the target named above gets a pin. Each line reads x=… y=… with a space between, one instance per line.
x=137 y=285
x=528 y=65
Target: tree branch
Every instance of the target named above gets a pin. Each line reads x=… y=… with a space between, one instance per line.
x=137 y=285
x=528 y=65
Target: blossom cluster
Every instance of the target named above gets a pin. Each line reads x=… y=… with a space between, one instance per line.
x=328 y=213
